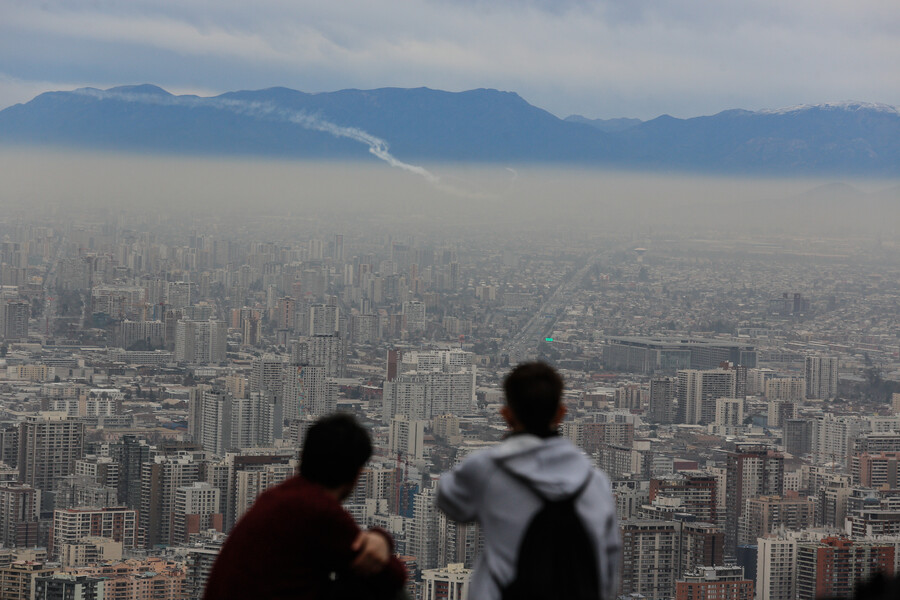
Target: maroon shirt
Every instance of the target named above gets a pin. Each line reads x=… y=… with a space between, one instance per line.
x=287 y=546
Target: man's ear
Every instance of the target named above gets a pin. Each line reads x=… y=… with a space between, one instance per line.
x=510 y=418
x=559 y=416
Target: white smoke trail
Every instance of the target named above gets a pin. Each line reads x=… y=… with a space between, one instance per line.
x=377 y=146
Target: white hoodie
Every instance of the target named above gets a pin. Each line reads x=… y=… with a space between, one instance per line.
x=479 y=490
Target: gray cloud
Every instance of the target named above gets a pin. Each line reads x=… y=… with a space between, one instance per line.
x=598 y=58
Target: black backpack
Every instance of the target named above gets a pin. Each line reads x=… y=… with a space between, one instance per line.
x=557 y=560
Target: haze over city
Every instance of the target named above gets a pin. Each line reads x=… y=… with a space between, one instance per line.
x=223 y=222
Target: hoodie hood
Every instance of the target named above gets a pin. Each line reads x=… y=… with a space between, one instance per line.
x=556 y=468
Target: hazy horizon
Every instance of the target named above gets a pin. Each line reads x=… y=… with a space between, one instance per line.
x=511 y=197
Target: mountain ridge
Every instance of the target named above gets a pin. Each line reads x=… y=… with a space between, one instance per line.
x=480 y=125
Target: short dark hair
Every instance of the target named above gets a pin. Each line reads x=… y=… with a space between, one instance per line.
x=533 y=393
x=335 y=449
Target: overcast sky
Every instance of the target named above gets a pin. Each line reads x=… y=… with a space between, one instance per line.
x=612 y=58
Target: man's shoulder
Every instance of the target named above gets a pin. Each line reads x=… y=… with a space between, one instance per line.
x=294 y=494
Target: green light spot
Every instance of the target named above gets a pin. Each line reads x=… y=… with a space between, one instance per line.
x=548 y=339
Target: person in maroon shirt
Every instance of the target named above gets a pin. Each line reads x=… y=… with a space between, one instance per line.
x=297 y=542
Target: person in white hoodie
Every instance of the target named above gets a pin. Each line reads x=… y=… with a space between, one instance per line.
x=505 y=487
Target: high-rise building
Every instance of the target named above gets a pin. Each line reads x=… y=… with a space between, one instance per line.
x=765 y=514
x=308 y=391
x=103 y=470
x=714 y=583
x=423 y=537
x=145 y=335
x=821 y=377
x=65 y=586
x=876 y=469
x=20 y=507
x=697 y=491
x=160 y=480
x=650 y=557
x=72 y=524
x=832 y=497
x=753 y=471
x=448 y=583
x=413 y=316
x=253 y=475
x=629 y=397
x=49 y=445
x=320 y=351
x=698 y=392
x=285 y=313
x=18 y=579
x=337 y=252
x=89 y=550
x=776 y=562
x=130 y=453
x=798 y=436
x=178 y=293
x=14 y=315
x=428 y=384
x=323 y=319
x=139 y=579
x=220 y=422
x=198 y=566
x=200 y=342
x=729 y=412
x=833 y=437
x=407 y=437
x=197 y=508
x=792 y=389
x=663 y=391
x=832 y=567
x=265 y=373
x=702 y=545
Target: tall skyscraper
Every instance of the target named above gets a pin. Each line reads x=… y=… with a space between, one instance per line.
x=448 y=583
x=197 y=508
x=407 y=437
x=200 y=342
x=428 y=384
x=423 y=537
x=663 y=391
x=14 y=315
x=308 y=391
x=832 y=567
x=219 y=422
x=320 y=351
x=650 y=557
x=130 y=453
x=265 y=373
x=323 y=319
x=776 y=562
x=49 y=445
x=714 y=583
x=160 y=480
x=696 y=490
x=753 y=471
x=20 y=507
x=72 y=524
x=821 y=377
x=699 y=390
x=413 y=316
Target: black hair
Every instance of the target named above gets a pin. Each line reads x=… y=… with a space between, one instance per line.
x=533 y=393
x=335 y=449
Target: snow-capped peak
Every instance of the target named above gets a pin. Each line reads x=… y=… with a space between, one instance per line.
x=849 y=106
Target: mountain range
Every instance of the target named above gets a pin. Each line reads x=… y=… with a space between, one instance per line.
x=475 y=126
